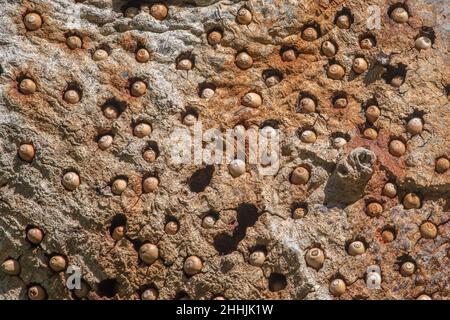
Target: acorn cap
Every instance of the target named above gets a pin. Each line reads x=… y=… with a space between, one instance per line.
x=390 y=190
x=328 y=48
x=118 y=186
x=105 y=142
x=336 y=72
x=141 y=130
x=428 y=230
x=372 y=113
x=411 y=201
x=214 y=37
x=374 y=209
x=74 y=42
x=289 y=55
x=308 y=136
x=343 y=21
x=356 y=248
x=252 y=100
x=399 y=15
x=71 y=96
x=397 y=148
x=407 y=269
x=310 y=34
x=118 y=233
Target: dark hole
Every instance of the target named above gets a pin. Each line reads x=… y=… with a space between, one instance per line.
x=181 y=295
x=277 y=282
x=107 y=288
x=393 y=71
x=270 y=123
x=225 y=244
x=201 y=179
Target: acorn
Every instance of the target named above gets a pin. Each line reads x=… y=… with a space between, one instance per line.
x=366 y=43
x=252 y=100
x=356 y=248
x=300 y=175
x=414 y=126
x=74 y=42
x=26 y=152
x=272 y=80
x=337 y=287
x=244 y=16
x=207 y=93
x=423 y=43
x=184 y=64
x=138 y=88
x=360 y=65
x=32 y=21
x=307 y=105
x=83 y=291
x=243 y=60
x=372 y=113
x=442 y=165
x=428 y=230
x=171 y=227
x=99 y=55
x=150 y=184
x=299 y=213
x=289 y=55
x=257 y=258
x=399 y=15
x=343 y=21
x=423 y=297
x=219 y=298
x=411 y=201
x=192 y=265
x=370 y=134
x=308 y=136
x=339 y=142
x=131 y=12
x=214 y=37
x=118 y=186
x=208 y=222
x=149 y=294
x=149 y=155
x=374 y=209
x=35 y=235
x=142 y=130
x=397 y=81
x=315 y=258
x=407 y=269
x=388 y=236
x=148 y=253
x=236 y=167
x=309 y=34
x=111 y=112
x=57 y=263
x=118 y=233
x=71 y=96
x=10 y=267
x=189 y=119
x=340 y=103
x=336 y=72
x=105 y=142
x=328 y=48
x=389 y=190
x=71 y=181
x=142 y=55
x=36 y=292
x=27 y=86
x=397 y=148
x=159 y=11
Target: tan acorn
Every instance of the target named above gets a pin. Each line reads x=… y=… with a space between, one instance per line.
x=100 y=55
x=208 y=93
x=131 y=12
x=343 y=21
x=414 y=126
x=308 y=136
x=142 y=130
x=118 y=186
x=244 y=16
x=442 y=165
x=288 y=55
x=26 y=152
x=252 y=100
x=307 y=105
x=10 y=267
x=339 y=142
x=150 y=184
x=110 y=112
x=315 y=258
x=185 y=64
x=397 y=81
x=372 y=113
x=272 y=80
x=27 y=86
x=105 y=141
x=397 y=148
x=428 y=230
x=171 y=227
x=340 y=103
x=57 y=263
x=300 y=175
x=149 y=155
x=148 y=253
x=299 y=213
x=388 y=236
x=407 y=269
x=71 y=181
x=118 y=233
x=71 y=96
x=310 y=34
x=423 y=43
x=337 y=287
x=142 y=55
x=138 y=88
x=374 y=209
x=370 y=134
x=257 y=258
x=74 y=42
x=328 y=48
x=243 y=60
x=356 y=248
x=208 y=222
x=236 y=167
x=159 y=11
x=360 y=65
x=32 y=21
x=424 y=297
x=336 y=72
x=389 y=190
x=411 y=201
x=36 y=292
x=192 y=265
x=35 y=235
x=189 y=119
x=399 y=15
x=149 y=294
x=214 y=37
x=366 y=43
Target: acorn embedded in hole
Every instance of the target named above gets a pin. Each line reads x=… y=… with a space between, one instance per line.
x=142 y=55
x=105 y=142
x=343 y=21
x=57 y=263
x=423 y=43
x=414 y=126
x=328 y=48
x=148 y=253
x=309 y=34
x=272 y=80
x=71 y=96
x=27 y=86
x=32 y=21
x=397 y=148
x=243 y=60
x=184 y=64
x=442 y=165
x=428 y=230
x=423 y=297
x=110 y=112
x=399 y=15
x=159 y=11
x=214 y=37
x=118 y=186
x=150 y=184
x=374 y=209
x=372 y=113
x=252 y=100
x=315 y=258
x=26 y=152
x=388 y=236
x=192 y=265
x=74 y=42
x=308 y=136
x=337 y=287
x=149 y=155
x=189 y=119
x=340 y=103
x=83 y=291
x=336 y=72
x=171 y=227
x=300 y=175
x=360 y=65
x=138 y=88
x=142 y=130
x=236 y=167
x=207 y=93
x=131 y=12
x=36 y=292
x=149 y=294
x=99 y=55
x=208 y=222
x=299 y=213
x=35 y=235
x=389 y=190
x=339 y=142
x=397 y=81
x=289 y=55
x=407 y=269
x=411 y=201
x=219 y=298
x=257 y=258
x=244 y=16
x=356 y=248
x=71 y=181
x=10 y=267
x=366 y=43
x=307 y=105
x=370 y=134
x=118 y=233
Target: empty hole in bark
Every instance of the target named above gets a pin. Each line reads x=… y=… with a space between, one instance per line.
x=119 y=220
x=258 y=247
x=181 y=295
x=277 y=282
x=394 y=71
x=201 y=178
x=107 y=288
x=305 y=94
